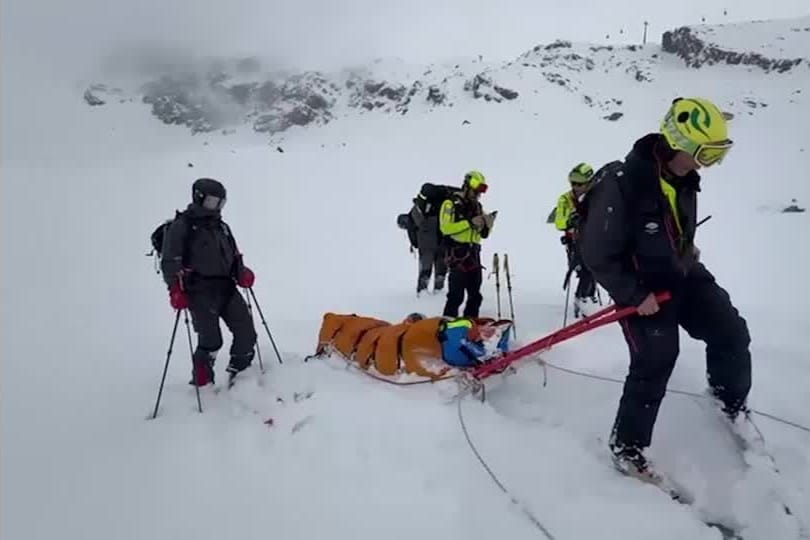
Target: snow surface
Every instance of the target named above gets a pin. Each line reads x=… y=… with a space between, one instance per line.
x=789 y=38
x=86 y=325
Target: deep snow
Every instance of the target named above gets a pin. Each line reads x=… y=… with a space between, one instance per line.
x=86 y=324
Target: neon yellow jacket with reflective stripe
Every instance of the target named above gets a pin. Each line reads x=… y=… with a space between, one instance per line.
x=565 y=208
x=460 y=230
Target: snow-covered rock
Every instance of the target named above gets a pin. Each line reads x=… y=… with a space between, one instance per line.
x=482 y=86
x=780 y=47
x=231 y=93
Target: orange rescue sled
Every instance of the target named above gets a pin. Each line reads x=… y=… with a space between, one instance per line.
x=426 y=347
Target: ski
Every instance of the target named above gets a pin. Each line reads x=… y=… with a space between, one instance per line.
x=679 y=494
x=752 y=450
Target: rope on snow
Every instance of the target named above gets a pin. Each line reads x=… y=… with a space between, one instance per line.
x=672 y=391
x=536 y=522
x=514 y=500
x=570 y=371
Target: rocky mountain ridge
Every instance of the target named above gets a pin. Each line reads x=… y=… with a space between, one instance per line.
x=231 y=94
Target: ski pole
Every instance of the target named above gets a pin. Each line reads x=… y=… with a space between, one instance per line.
x=570 y=270
x=193 y=363
x=702 y=221
x=166 y=366
x=264 y=322
x=258 y=350
x=567 y=295
x=567 y=288
x=509 y=292
x=496 y=269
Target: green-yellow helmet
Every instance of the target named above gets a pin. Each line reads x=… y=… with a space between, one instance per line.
x=698 y=127
x=581 y=174
x=476 y=181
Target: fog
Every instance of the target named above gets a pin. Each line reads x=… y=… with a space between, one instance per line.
x=75 y=38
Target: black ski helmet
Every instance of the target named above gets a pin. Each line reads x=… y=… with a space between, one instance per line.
x=208 y=187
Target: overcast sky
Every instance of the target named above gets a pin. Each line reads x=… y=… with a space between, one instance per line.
x=74 y=34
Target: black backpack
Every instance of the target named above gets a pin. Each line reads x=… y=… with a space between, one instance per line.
x=611 y=170
x=431 y=197
x=406 y=223
x=158 y=235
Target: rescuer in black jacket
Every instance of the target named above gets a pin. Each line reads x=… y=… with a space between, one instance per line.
x=638 y=240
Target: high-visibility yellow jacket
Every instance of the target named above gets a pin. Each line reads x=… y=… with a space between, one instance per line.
x=566 y=207
x=454 y=220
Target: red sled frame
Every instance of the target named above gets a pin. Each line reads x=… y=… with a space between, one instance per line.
x=472 y=381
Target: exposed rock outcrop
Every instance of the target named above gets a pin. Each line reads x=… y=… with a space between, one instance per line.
x=482 y=86
x=696 y=52
x=225 y=94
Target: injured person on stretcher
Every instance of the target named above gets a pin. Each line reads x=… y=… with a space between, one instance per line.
x=426 y=347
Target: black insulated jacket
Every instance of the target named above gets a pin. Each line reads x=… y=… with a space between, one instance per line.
x=630 y=237
x=201 y=244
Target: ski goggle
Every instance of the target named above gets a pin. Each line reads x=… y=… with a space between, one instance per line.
x=212 y=202
x=709 y=154
x=577 y=179
x=476 y=182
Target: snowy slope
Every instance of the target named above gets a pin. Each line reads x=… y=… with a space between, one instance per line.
x=86 y=322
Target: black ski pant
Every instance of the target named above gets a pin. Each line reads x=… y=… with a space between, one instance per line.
x=464 y=280
x=704 y=310
x=586 y=285
x=210 y=300
x=432 y=261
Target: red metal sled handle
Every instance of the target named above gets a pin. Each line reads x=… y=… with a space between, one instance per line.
x=602 y=317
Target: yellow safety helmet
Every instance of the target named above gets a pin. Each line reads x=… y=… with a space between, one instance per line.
x=476 y=181
x=581 y=174
x=698 y=127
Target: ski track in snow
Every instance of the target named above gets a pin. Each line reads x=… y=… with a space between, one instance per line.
x=86 y=324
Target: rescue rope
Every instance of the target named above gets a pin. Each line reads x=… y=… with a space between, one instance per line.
x=672 y=391
x=574 y=372
x=536 y=522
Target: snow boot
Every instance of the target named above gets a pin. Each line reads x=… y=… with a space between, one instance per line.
x=203 y=372
x=238 y=364
x=740 y=424
x=631 y=461
x=438 y=284
x=422 y=283
x=585 y=306
x=578 y=311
